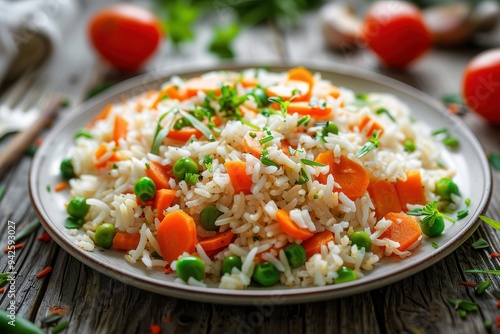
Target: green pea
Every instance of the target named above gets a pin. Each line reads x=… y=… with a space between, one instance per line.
x=345 y=274
x=78 y=207
x=362 y=240
x=330 y=128
x=145 y=189
x=104 y=235
x=184 y=166
x=190 y=266
x=266 y=274
x=260 y=96
x=410 y=146
x=445 y=187
x=208 y=216
x=229 y=263
x=436 y=229
x=296 y=255
x=66 y=168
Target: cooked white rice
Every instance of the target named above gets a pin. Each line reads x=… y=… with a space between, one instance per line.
x=252 y=217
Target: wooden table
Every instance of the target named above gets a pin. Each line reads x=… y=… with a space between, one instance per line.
x=96 y=303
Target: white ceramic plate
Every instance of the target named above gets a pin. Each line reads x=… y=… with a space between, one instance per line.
x=473 y=177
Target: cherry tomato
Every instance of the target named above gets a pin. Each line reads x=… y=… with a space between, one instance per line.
x=396 y=32
x=125 y=35
x=481 y=85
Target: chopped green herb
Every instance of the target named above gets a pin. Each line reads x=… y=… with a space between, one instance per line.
x=462 y=214
x=156 y=256
x=380 y=111
x=60 y=327
x=304 y=120
x=30 y=228
x=207 y=161
x=147 y=165
x=452 y=98
x=282 y=103
x=266 y=139
x=82 y=134
x=303 y=178
x=31 y=150
x=479 y=271
x=250 y=125
x=49 y=189
x=493 y=223
x=435 y=245
x=447 y=139
x=362 y=96
x=99 y=89
x=268 y=162
x=370 y=145
x=494 y=160
x=315 y=196
x=429 y=212
x=197 y=124
x=481 y=288
x=4 y=278
x=462 y=314
x=255 y=238
x=65 y=102
x=440 y=164
x=252 y=134
x=115 y=166
x=467 y=201
x=330 y=127
x=312 y=163
x=72 y=223
x=480 y=243
x=230 y=101
x=50 y=319
x=410 y=146
x=461 y=304
x=268 y=112
x=160 y=133
x=488 y=324
x=291 y=151
x=2 y=192
x=191 y=178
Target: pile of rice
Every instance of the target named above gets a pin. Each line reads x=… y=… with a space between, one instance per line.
x=109 y=191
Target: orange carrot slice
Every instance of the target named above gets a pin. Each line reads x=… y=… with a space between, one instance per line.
x=351 y=176
x=61 y=186
x=214 y=83
x=290 y=227
x=252 y=144
x=184 y=134
x=120 y=129
x=411 y=191
x=384 y=197
x=368 y=125
x=241 y=181
x=176 y=235
x=301 y=74
x=104 y=113
x=126 y=241
x=98 y=154
x=313 y=244
x=171 y=92
x=159 y=174
x=404 y=229
x=218 y=241
x=304 y=108
x=162 y=200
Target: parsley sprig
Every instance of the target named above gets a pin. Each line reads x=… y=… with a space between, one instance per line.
x=370 y=145
x=429 y=212
x=282 y=103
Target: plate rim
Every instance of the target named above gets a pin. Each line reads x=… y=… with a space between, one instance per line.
x=249 y=297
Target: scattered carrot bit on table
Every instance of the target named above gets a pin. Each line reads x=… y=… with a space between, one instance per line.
x=16 y=246
x=44 y=272
x=155 y=329
x=45 y=237
x=468 y=284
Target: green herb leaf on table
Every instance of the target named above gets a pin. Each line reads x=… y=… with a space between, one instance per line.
x=479 y=271
x=60 y=327
x=26 y=231
x=50 y=319
x=494 y=160
x=480 y=243
x=222 y=40
x=4 y=278
x=466 y=305
x=493 y=223
x=481 y=288
x=2 y=192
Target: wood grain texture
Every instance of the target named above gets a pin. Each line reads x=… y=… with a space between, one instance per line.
x=418 y=304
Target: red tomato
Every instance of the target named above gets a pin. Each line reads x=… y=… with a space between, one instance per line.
x=396 y=32
x=481 y=85
x=125 y=35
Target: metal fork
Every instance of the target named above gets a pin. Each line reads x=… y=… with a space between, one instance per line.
x=27 y=107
